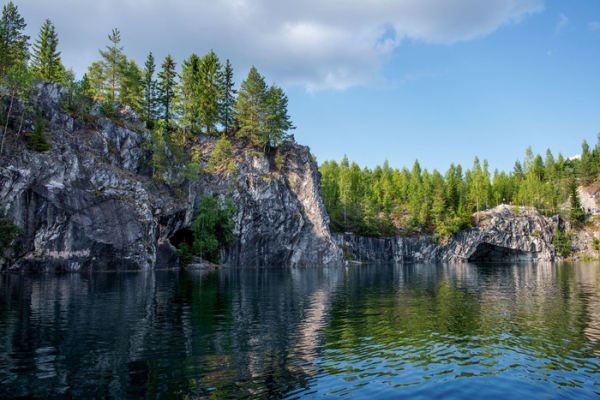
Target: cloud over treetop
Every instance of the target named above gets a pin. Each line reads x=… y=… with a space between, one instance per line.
x=322 y=44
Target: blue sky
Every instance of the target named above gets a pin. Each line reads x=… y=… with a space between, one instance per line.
x=435 y=80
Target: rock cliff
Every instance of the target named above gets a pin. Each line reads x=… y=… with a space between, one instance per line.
x=89 y=203
x=502 y=234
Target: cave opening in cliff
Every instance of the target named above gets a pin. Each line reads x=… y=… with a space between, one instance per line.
x=486 y=252
x=182 y=235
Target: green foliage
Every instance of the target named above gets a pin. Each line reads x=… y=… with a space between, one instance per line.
x=210 y=87
x=188 y=103
x=576 y=214
x=37 y=140
x=213 y=228
x=193 y=168
x=8 y=231
x=166 y=85
x=562 y=242
x=222 y=157
x=261 y=112
x=18 y=82
x=228 y=93
x=111 y=65
x=13 y=42
x=45 y=61
x=149 y=102
x=131 y=84
x=184 y=253
x=158 y=145
x=107 y=108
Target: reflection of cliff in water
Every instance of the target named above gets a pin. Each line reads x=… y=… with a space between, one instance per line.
x=235 y=332
x=272 y=332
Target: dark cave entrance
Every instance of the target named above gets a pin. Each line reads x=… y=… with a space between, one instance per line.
x=182 y=235
x=486 y=252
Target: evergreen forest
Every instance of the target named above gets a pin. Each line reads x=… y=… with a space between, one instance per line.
x=386 y=201
x=177 y=104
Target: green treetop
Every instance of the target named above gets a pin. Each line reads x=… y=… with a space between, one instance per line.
x=188 y=96
x=149 y=91
x=45 y=61
x=228 y=96
x=167 y=83
x=210 y=91
x=13 y=42
x=249 y=107
x=112 y=59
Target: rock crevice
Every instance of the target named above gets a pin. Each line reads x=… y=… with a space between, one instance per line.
x=89 y=203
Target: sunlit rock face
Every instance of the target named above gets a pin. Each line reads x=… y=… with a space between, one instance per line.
x=90 y=203
x=502 y=234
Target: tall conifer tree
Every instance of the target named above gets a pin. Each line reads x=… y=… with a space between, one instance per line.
x=45 y=61
x=250 y=107
x=112 y=60
x=149 y=90
x=13 y=42
x=210 y=91
x=188 y=95
x=167 y=83
x=228 y=96
x=131 y=84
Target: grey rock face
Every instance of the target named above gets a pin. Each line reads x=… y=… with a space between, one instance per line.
x=500 y=236
x=89 y=204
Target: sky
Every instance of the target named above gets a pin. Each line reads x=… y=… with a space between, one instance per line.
x=441 y=81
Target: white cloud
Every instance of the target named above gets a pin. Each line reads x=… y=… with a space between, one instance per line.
x=564 y=21
x=322 y=44
x=594 y=25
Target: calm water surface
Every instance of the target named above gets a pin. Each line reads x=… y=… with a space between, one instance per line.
x=413 y=331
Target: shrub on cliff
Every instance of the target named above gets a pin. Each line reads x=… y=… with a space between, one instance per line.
x=213 y=228
x=562 y=243
x=37 y=140
x=221 y=159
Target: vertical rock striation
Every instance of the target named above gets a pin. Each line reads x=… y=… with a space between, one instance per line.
x=89 y=203
x=501 y=235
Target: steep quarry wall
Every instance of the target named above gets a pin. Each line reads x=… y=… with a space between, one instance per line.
x=502 y=234
x=89 y=203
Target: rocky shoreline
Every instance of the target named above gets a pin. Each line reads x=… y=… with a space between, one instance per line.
x=90 y=203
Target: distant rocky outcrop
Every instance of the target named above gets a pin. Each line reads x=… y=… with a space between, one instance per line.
x=502 y=234
x=89 y=203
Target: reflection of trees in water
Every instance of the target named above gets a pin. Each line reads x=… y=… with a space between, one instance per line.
x=204 y=333
x=440 y=313
x=587 y=276
x=267 y=332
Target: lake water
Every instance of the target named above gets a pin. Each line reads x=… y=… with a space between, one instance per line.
x=370 y=331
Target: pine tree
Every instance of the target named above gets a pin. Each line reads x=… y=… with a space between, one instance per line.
x=210 y=91
x=250 y=107
x=112 y=60
x=228 y=96
x=13 y=43
x=576 y=214
x=45 y=61
x=167 y=83
x=131 y=84
x=188 y=96
x=277 y=121
x=38 y=140
x=95 y=77
x=149 y=91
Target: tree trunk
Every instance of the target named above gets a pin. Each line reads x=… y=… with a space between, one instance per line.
x=12 y=97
